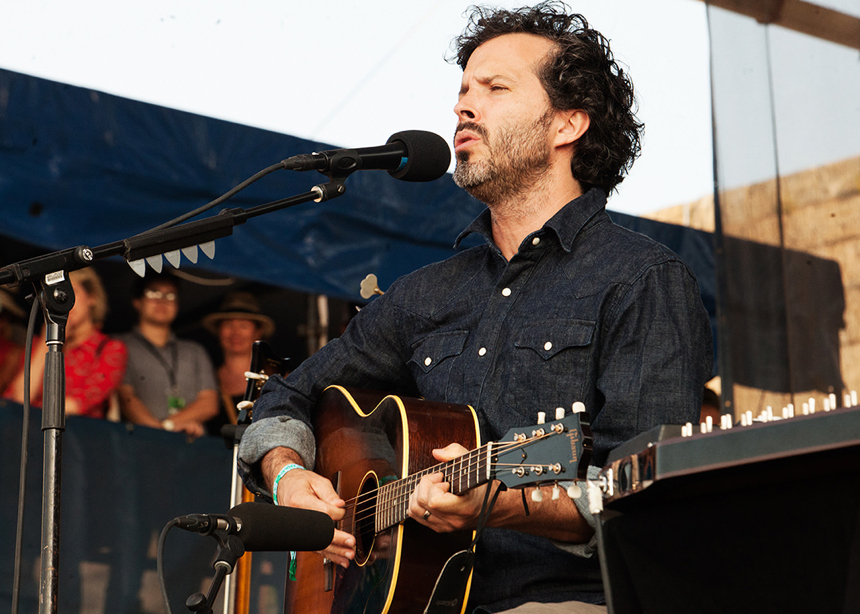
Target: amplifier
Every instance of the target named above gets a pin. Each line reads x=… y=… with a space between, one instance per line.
x=761 y=518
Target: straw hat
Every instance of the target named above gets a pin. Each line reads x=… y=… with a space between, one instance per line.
x=8 y=306
x=240 y=306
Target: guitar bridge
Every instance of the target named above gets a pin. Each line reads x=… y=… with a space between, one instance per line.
x=328 y=566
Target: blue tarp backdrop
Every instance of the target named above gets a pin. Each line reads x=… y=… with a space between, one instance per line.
x=82 y=167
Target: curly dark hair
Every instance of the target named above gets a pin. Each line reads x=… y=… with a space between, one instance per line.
x=582 y=74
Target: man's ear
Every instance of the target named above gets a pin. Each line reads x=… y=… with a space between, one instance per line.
x=573 y=126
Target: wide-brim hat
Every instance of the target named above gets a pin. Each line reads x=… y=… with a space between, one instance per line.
x=240 y=306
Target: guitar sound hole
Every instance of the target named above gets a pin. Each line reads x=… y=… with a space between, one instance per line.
x=365 y=512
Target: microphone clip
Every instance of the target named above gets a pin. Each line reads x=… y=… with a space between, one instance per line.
x=208 y=524
x=341 y=164
x=337 y=164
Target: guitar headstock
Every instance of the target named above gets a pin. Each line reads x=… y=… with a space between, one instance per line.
x=264 y=363
x=549 y=451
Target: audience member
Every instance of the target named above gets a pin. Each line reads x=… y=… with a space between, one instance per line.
x=94 y=363
x=10 y=350
x=238 y=323
x=169 y=382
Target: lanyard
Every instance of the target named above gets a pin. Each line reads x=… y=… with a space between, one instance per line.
x=170 y=367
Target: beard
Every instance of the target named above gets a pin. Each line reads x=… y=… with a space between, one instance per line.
x=517 y=158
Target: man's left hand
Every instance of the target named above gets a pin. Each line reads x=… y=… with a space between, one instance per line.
x=447 y=511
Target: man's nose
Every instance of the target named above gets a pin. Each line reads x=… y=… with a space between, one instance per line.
x=465 y=108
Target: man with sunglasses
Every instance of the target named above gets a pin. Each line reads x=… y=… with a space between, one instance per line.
x=169 y=383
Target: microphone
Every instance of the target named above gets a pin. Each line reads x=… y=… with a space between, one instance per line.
x=263 y=526
x=412 y=155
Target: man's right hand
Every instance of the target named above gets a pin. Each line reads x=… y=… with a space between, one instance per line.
x=307 y=490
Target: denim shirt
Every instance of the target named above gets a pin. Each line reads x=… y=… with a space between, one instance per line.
x=585 y=311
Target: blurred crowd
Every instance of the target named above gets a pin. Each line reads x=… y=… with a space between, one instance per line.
x=147 y=375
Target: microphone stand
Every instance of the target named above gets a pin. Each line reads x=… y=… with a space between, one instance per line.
x=50 y=273
x=57 y=299
x=230 y=549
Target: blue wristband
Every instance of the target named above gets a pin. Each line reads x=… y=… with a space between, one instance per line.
x=282 y=473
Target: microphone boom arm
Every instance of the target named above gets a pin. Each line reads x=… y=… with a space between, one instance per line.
x=158 y=241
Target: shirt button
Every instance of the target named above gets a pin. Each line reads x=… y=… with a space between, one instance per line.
x=536 y=240
x=506 y=292
x=482 y=351
x=547 y=346
x=427 y=361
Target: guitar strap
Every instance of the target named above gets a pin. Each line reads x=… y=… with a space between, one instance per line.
x=447 y=596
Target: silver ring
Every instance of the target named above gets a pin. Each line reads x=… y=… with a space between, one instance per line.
x=426 y=514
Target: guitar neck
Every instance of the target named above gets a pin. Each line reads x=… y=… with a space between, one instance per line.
x=464 y=473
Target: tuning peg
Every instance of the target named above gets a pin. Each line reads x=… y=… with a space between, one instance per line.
x=559 y=413
x=537 y=495
x=369 y=287
x=578 y=407
x=541 y=417
x=241 y=405
x=595 y=498
x=556 y=492
x=574 y=491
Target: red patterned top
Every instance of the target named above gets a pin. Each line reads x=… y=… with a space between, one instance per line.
x=94 y=369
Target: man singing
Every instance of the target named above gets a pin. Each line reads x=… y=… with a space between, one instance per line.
x=559 y=305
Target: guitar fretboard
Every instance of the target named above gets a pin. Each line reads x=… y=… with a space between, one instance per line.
x=463 y=473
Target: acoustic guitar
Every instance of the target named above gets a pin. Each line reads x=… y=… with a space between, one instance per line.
x=375 y=448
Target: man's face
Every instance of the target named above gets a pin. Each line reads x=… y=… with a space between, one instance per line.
x=159 y=304
x=504 y=116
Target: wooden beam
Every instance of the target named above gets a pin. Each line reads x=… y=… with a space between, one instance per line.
x=799 y=16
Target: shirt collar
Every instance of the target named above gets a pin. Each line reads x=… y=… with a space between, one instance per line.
x=566 y=224
x=172 y=338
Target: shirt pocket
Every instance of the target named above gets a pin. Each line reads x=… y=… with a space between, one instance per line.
x=550 y=366
x=550 y=337
x=434 y=350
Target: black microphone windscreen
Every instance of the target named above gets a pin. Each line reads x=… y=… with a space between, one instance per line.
x=428 y=155
x=279 y=529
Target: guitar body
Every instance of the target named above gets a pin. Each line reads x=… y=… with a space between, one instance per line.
x=366 y=439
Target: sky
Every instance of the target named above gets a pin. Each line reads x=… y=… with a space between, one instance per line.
x=785 y=94
x=350 y=73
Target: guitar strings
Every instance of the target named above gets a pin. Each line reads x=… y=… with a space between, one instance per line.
x=403 y=487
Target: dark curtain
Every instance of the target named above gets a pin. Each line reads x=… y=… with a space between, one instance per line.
x=120 y=486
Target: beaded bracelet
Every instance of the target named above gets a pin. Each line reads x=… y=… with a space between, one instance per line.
x=282 y=473
x=286 y=469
